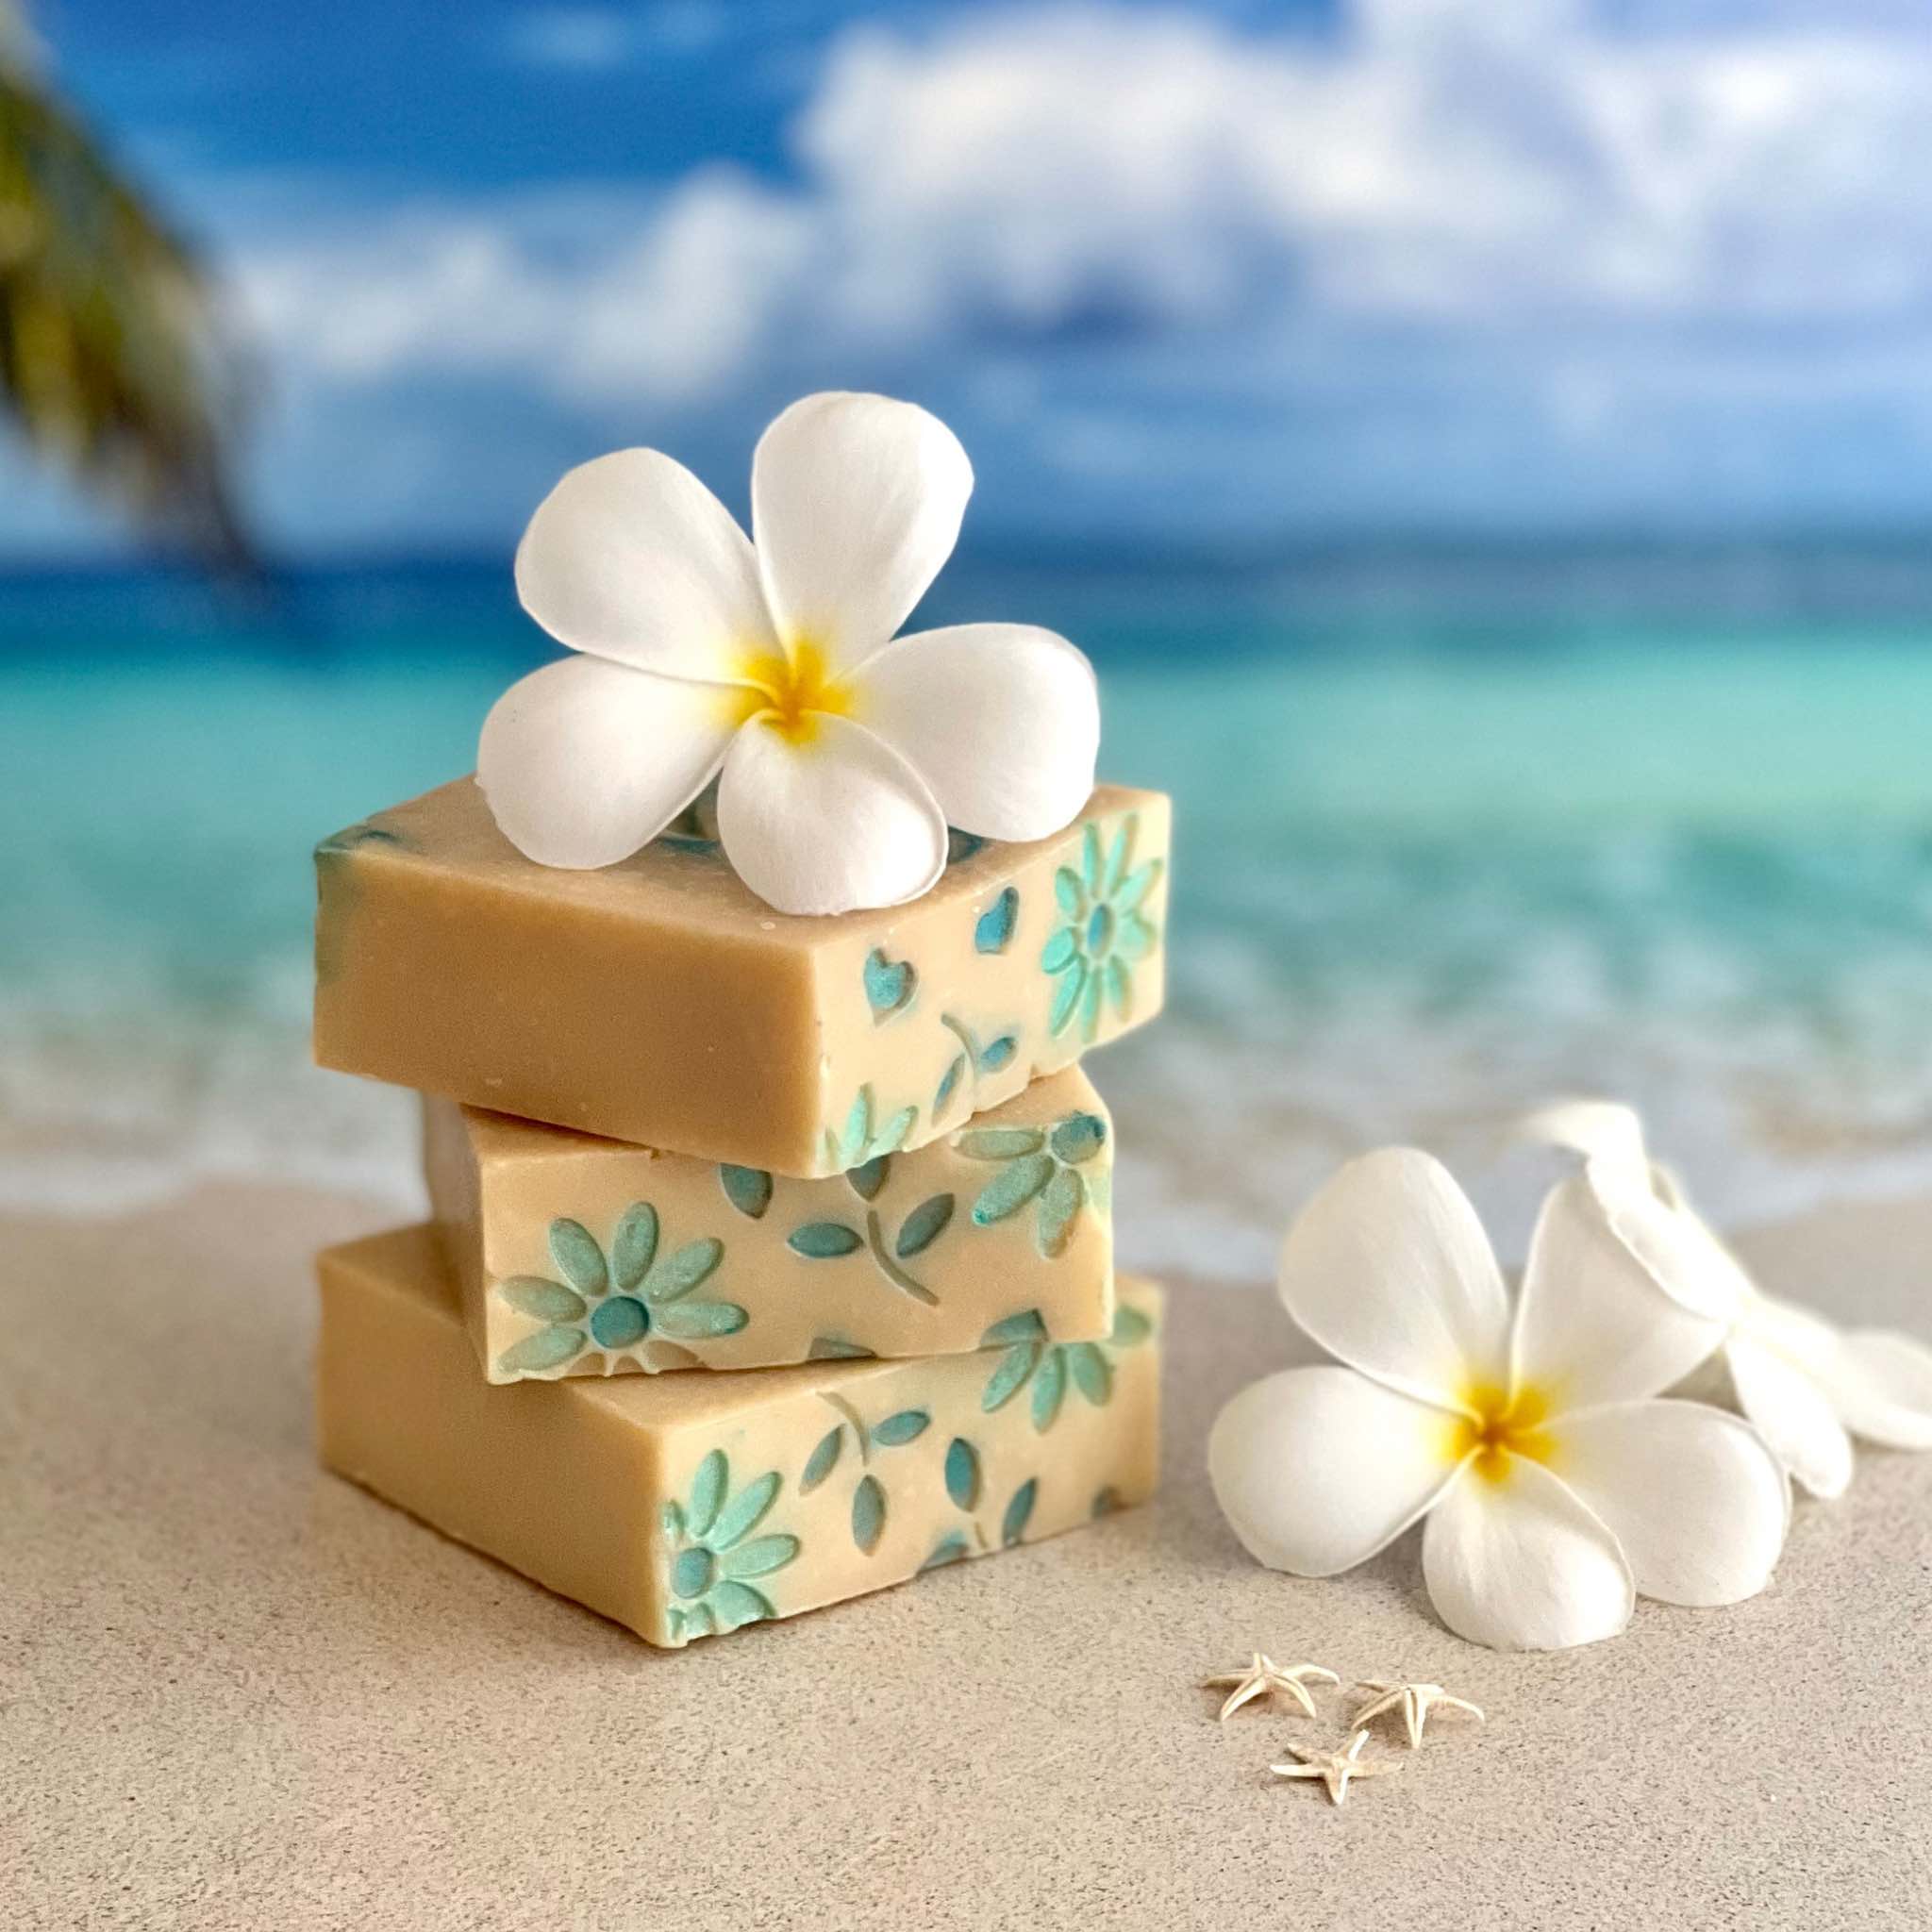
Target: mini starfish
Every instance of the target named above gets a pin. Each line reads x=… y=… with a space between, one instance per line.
x=1335 y=1767
x=1414 y=1700
x=1264 y=1677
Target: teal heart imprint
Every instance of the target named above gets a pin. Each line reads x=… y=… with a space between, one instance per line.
x=888 y=985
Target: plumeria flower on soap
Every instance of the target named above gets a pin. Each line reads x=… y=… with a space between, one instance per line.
x=1806 y=1387
x=842 y=751
x=1556 y=1485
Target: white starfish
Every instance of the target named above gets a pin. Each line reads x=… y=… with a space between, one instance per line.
x=1264 y=1677
x=1335 y=1767
x=1414 y=1700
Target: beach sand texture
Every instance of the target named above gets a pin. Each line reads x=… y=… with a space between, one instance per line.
x=238 y=1692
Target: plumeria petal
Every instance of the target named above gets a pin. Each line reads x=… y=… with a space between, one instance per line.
x=856 y=504
x=1697 y=1503
x=585 y=760
x=1519 y=1562
x=1001 y=720
x=1645 y=1206
x=1592 y=1324
x=1673 y=1242
x=1602 y=1130
x=838 y=821
x=1790 y=1410
x=1318 y=1468
x=1881 y=1385
x=1389 y=1268
x=631 y=558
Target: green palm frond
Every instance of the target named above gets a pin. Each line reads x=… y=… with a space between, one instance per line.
x=114 y=358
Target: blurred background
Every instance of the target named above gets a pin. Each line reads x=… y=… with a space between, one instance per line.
x=1486 y=445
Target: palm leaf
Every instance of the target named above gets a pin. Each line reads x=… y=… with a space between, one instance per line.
x=115 y=361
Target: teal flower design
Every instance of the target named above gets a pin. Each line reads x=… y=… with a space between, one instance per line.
x=617 y=1303
x=714 y=1552
x=1105 y=935
x=1053 y=1367
x=1043 y=1165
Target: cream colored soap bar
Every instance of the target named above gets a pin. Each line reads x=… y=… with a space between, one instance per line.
x=683 y=1505
x=658 y=1001
x=581 y=1257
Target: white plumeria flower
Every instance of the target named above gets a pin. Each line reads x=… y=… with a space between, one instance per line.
x=1806 y=1387
x=841 y=752
x=1557 y=1488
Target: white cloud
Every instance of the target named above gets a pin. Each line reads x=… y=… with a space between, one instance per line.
x=1037 y=173
x=1573 y=215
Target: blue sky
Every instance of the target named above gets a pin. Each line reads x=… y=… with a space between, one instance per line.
x=1202 y=274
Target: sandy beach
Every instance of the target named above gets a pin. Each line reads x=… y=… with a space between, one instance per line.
x=236 y=1691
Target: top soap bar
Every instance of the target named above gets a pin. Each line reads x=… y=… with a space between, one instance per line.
x=659 y=1001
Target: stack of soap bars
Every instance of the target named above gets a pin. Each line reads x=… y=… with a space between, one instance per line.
x=772 y=1258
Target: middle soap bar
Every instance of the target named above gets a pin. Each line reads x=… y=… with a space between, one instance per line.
x=578 y=1256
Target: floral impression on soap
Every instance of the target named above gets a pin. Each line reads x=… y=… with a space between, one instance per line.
x=841 y=752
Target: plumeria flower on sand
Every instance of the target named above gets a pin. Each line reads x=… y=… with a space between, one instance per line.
x=841 y=752
x=1806 y=1387
x=1555 y=1485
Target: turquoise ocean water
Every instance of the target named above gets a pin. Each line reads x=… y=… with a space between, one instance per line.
x=1457 y=833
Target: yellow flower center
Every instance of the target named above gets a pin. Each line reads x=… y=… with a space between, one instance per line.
x=793 y=691
x=1499 y=1426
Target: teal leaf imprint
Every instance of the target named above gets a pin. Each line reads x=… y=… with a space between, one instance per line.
x=548 y=1301
x=868 y=1513
x=701 y=1321
x=1000 y=1144
x=821 y=1461
x=543 y=1349
x=748 y=1189
x=618 y=1305
x=861 y=1141
x=906 y=1426
x=831 y=1241
x=824 y=1241
x=736 y=1604
x=745 y=1511
x=979 y=1057
x=1028 y=1326
x=1049 y=1386
x=992 y=932
x=949 y=1085
x=1046 y=1165
x=578 y=1258
x=1010 y=1375
x=1015 y=1185
x=836 y=1348
x=923 y=1226
x=888 y=985
x=634 y=1246
x=1107 y=932
x=694 y=1263
x=707 y=1492
x=1053 y=1368
x=962 y=1474
x=759 y=1556
x=949 y=1549
x=713 y=1550
x=1019 y=1512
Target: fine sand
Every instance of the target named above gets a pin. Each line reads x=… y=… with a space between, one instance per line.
x=238 y=1692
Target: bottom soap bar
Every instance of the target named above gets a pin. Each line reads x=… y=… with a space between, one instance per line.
x=683 y=1505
